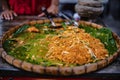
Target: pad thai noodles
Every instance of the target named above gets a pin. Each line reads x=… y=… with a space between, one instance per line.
x=76 y=47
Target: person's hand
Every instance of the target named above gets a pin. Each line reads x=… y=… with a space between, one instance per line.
x=53 y=9
x=8 y=14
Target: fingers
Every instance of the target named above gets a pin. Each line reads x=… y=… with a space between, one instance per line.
x=14 y=14
x=8 y=15
x=5 y=16
x=53 y=10
x=41 y=15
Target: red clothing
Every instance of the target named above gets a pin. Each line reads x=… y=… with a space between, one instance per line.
x=29 y=7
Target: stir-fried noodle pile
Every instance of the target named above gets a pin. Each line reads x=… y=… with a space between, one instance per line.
x=75 y=46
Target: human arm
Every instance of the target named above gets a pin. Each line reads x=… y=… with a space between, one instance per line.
x=53 y=8
x=7 y=13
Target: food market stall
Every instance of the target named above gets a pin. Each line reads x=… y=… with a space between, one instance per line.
x=110 y=71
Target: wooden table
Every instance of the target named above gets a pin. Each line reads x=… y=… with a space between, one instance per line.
x=110 y=71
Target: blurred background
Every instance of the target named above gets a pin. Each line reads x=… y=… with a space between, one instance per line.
x=110 y=15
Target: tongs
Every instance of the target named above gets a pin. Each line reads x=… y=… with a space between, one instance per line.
x=70 y=21
x=48 y=16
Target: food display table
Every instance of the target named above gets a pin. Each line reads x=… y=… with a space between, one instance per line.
x=110 y=71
